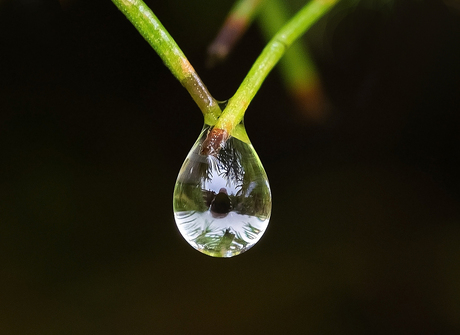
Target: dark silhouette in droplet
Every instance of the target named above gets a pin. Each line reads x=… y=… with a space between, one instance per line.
x=221 y=205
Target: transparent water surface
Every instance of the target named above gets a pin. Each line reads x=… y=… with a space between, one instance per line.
x=222 y=203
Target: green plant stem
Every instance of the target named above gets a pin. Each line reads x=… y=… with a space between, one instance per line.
x=297 y=68
x=237 y=105
x=158 y=37
x=225 y=124
x=238 y=20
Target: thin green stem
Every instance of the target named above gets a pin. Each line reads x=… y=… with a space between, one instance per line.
x=237 y=105
x=225 y=124
x=161 y=41
x=296 y=62
x=297 y=68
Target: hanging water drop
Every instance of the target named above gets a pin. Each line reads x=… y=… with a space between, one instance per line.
x=222 y=199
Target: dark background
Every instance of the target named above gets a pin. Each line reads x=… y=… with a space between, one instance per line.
x=365 y=230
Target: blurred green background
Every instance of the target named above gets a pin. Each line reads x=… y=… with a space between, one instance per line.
x=365 y=229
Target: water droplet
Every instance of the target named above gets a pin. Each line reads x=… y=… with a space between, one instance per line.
x=222 y=199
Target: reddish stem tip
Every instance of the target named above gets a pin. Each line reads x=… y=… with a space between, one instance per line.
x=214 y=142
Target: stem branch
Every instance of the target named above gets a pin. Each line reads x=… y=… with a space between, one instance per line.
x=271 y=54
x=161 y=41
x=297 y=67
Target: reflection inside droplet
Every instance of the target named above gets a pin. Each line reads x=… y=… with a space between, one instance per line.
x=222 y=202
x=221 y=205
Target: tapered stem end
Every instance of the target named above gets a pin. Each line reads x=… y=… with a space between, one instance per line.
x=214 y=142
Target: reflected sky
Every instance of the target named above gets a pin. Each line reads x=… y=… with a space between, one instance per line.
x=217 y=181
x=247 y=230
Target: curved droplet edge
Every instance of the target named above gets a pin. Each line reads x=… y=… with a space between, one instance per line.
x=239 y=132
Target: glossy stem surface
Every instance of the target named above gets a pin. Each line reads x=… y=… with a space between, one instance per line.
x=271 y=54
x=161 y=41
